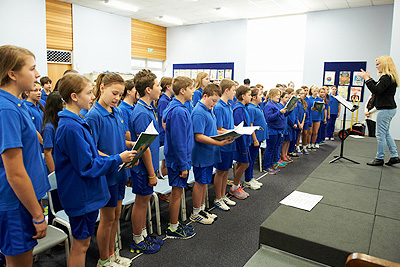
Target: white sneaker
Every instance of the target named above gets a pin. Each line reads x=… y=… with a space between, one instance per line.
x=201 y=217
x=220 y=204
x=211 y=215
x=256 y=182
x=120 y=260
x=251 y=185
x=228 y=201
x=316 y=145
x=109 y=264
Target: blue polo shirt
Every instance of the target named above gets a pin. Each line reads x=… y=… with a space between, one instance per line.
x=126 y=112
x=142 y=116
x=80 y=170
x=334 y=105
x=300 y=112
x=108 y=130
x=232 y=102
x=48 y=135
x=204 y=122
x=224 y=114
x=240 y=114
x=315 y=115
x=162 y=104
x=189 y=106
x=44 y=96
x=275 y=119
x=36 y=115
x=256 y=116
x=197 y=95
x=18 y=131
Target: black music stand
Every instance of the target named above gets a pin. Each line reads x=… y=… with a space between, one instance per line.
x=352 y=108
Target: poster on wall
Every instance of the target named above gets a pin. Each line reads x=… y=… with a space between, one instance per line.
x=357 y=80
x=228 y=74
x=221 y=74
x=344 y=78
x=213 y=74
x=194 y=74
x=355 y=93
x=343 y=91
x=329 y=78
x=176 y=73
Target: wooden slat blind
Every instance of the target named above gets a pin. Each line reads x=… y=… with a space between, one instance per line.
x=59 y=25
x=146 y=35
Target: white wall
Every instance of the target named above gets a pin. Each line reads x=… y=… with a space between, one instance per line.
x=395 y=54
x=208 y=43
x=356 y=34
x=102 y=41
x=275 y=50
x=24 y=24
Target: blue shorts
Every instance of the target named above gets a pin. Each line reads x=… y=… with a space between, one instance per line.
x=140 y=184
x=117 y=192
x=316 y=121
x=82 y=227
x=175 y=180
x=16 y=231
x=203 y=175
x=242 y=157
x=227 y=161
x=306 y=126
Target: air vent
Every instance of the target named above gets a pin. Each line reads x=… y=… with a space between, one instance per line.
x=59 y=56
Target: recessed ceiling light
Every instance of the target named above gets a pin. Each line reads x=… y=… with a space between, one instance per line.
x=121 y=5
x=170 y=20
x=225 y=12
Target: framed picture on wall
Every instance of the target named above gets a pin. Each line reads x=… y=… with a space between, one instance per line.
x=357 y=80
x=213 y=74
x=355 y=93
x=343 y=91
x=221 y=74
x=329 y=78
x=344 y=78
x=228 y=74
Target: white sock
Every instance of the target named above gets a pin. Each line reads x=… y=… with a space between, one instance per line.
x=218 y=200
x=203 y=207
x=138 y=238
x=173 y=226
x=196 y=210
x=144 y=232
x=235 y=187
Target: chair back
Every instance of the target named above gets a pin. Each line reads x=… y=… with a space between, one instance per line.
x=52 y=181
x=161 y=153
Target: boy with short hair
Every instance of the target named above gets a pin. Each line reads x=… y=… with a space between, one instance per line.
x=205 y=153
x=178 y=151
x=45 y=82
x=224 y=114
x=144 y=174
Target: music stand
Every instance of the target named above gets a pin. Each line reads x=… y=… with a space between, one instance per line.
x=352 y=108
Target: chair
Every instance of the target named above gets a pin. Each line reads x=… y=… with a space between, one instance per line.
x=363 y=260
x=260 y=154
x=54 y=237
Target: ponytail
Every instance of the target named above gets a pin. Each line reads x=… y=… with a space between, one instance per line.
x=107 y=79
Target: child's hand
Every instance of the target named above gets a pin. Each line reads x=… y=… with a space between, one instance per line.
x=295 y=126
x=41 y=230
x=225 y=142
x=283 y=111
x=184 y=174
x=367 y=114
x=312 y=108
x=127 y=156
x=152 y=182
x=325 y=121
x=256 y=143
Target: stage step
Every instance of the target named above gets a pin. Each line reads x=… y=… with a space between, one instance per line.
x=270 y=257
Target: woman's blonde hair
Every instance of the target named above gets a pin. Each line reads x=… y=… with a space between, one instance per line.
x=12 y=58
x=313 y=87
x=273 y=92
x=389 y=68
x=199 y=78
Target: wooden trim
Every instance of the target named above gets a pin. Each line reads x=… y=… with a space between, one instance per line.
x=146 y=35
x=59 y=25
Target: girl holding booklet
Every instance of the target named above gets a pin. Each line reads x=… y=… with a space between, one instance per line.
x=315 y=115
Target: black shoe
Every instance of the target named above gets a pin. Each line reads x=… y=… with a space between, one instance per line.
x=375 y=162
x=393 y=161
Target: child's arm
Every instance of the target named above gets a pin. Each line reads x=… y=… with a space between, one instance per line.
x=49 y=159
x=201 y=138
x=148 y=163
x=40 y=138
x=253 y=135
x=325 y=115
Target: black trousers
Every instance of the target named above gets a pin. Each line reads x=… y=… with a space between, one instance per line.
x=371 y=128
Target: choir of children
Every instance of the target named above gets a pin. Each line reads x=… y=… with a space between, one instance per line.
x=85 y=153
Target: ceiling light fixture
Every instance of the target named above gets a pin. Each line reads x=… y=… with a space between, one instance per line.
x=121 y=5
x=170 y=20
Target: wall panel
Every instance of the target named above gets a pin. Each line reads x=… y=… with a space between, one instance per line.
x=147 y=37
x=59 y=25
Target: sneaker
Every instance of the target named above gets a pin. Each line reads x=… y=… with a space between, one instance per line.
x=109 y=264
x=316 y=145
x=332 y=139
x=257 y=182
x=298 y=150
x=157 y=241
x=211 y=215
x=313 y=147
x=271 y=171
x=276 y=168
x=220 y=204
x=326 y=138
x=392 y=161
x=120 y=260
x=322 y=143
x=288 y=159
x=239 y=193
x=201 y=217
x=144 y=247
x=188 y=226
x=228 y=201
x=180 y=233
x=305 y=151
x=165 y=197
x=281 y=163
x=251 y=185
x=294 y=155
x=284 y=159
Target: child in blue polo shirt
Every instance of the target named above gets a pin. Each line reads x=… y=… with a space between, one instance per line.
x=108 y=130
x=23 y=181
x=144 y=175
x=315 y=116
x=202 y=80
x=334 y=108
x=224 y=114
x=128 y=102
x=242 y=153
x=165 y=99
x=302 y=118
x=80 y=170
x=257 y=118
x=205 y=151
x=178 y=126
x=36 y=109
x=324 y=117
x=45 y=82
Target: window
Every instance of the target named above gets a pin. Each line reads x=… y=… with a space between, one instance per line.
x=156 y=66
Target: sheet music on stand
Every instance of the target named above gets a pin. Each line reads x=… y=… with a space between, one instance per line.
x=345 y=103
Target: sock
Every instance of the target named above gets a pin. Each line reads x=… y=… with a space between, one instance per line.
x=173 y=226
x=218 y=200
x=144 y=232
x=203 y=207
x=235 y=187
x=138 y=238
x=103 y=262
x=196 y=210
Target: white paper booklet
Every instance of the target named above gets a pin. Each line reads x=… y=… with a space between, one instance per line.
x=237 y=132
x=301 y=200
